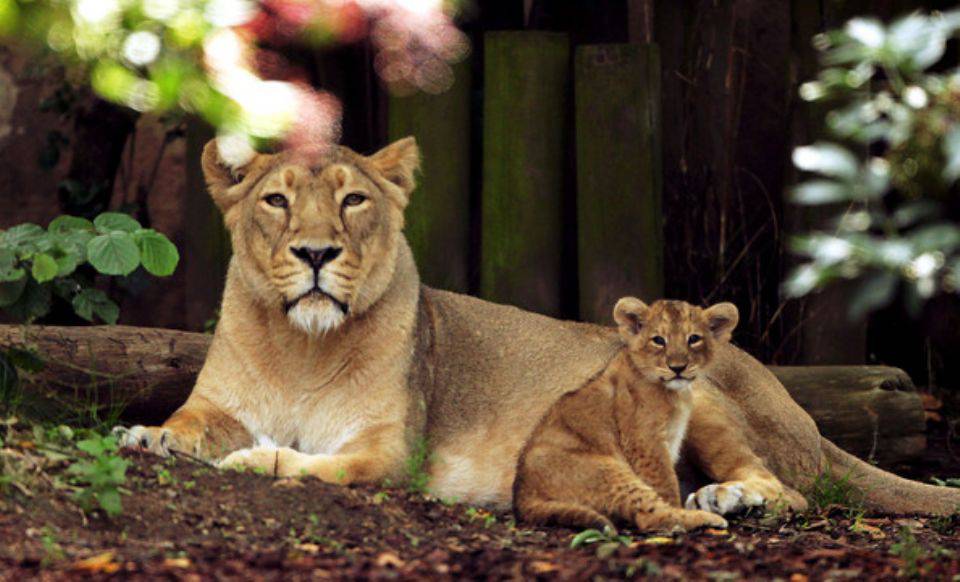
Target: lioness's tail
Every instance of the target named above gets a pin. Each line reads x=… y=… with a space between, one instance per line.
x=885 y=491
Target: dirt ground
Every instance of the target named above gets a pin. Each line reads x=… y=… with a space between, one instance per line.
x=185 y=520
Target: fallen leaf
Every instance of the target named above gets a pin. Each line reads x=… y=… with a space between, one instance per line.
x=389 y=560
x=309 y=548
x=798 y=577
x=715 y=532
x=874 y=532
x=177 y=563
x=100 y=564
x=657 y=541
x=539 y=567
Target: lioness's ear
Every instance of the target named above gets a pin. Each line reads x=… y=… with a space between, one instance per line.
x=398 y=162
x=223 y=171
x=630 y=313
x=722 y=319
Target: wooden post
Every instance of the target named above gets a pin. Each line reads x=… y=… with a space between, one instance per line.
x=619 y=225
x=524 y=112
x=438 y=219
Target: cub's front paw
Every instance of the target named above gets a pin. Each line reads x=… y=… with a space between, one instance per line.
x=724 y=498
x=269 y=460
x=156 y=439
x=695 y=519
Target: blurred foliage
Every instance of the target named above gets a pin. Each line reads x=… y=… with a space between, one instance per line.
x=892 y=171
x=211 y=58
x=38 y=264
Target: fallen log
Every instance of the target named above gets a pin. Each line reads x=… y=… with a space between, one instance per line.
x=872 y=411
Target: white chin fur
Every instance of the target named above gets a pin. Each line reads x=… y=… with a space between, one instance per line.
x=677 y=384
x=315 y=319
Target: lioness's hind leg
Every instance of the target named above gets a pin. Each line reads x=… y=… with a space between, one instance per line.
x=562 y=513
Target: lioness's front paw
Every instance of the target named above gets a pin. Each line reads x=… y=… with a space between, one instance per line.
x=266 y=459
x=724 y=498
x=156 y=439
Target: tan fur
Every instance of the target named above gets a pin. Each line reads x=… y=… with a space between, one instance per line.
x=607 y=450
x=408 y=362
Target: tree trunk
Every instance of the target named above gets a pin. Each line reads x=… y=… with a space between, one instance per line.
x=872 y=411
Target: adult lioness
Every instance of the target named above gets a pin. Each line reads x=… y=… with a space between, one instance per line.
x=330 y=349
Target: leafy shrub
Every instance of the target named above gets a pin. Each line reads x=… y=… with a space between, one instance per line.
x=892 y=170
x=37 y=264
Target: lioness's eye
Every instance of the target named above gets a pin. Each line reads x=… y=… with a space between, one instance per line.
x=659 y=340
x=354 y=199
x=694 y=340
x=278 y=200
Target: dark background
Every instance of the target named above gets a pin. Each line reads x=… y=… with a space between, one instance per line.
x=725 y=116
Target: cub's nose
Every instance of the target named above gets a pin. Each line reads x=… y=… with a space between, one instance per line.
x=678 y=369
x=316 y=257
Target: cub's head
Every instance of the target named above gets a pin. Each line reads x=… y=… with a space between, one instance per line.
x=671 y=342
x=315 y=236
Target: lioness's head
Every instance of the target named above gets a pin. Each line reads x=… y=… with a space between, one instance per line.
x=315 y=235
x=671 y=342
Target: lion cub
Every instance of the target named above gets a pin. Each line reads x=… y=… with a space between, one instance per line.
x=607 y=450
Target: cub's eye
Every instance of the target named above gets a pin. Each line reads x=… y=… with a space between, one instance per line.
x=354 y=199
x=277 y=200
x=659 y=341
x=694 y=340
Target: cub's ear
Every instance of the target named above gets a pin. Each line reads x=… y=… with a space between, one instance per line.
x=225 y=169
x=398 y=163
x=722 y=319
x=630 y=314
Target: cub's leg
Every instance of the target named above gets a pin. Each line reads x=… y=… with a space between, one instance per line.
x=627 y=496
x=565 y=513
x=721 y=450
x=198 y=428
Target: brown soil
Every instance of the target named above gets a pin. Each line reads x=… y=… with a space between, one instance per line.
x=184 y=520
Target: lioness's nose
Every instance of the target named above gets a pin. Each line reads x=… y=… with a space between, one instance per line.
x=678 y=368
x=316 y=257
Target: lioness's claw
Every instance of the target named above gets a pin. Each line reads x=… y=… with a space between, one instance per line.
x=155 y=439
x=723 y=498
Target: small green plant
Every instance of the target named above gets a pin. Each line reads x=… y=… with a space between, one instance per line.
x=52 y=552
x=607 y=541
x=99 y=475
x=37 y=264
x=418 y=479
x=475 y=513
x=832 y=490
x=910 y=551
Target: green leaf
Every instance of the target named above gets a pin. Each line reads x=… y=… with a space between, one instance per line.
x=94 y=302
x=67 y=264
x=951 y=149
x=21 y=234
x=944 y=237
x=159 y=255
x=585 y=537
x=110 y=502
x=874 y=292
x=828 y=159
x=114 y=253
x=33 y=303
x=115 y=221
x=66 y=223
x=821 y=192
x=45 y=268
x=10 y=291
x=9 y=271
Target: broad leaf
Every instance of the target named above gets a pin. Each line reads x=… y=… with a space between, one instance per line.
x=66 y=223
x=90 y=303
x=114 y=253
x=21 y=234
x=827 y=159
x=821 y=192
x=9 y=271
x=33 y=303
x=158 y=254
x=44 y=268
x=874 y=292
x=114 y=221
